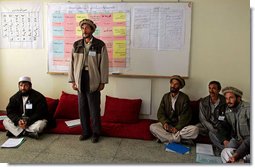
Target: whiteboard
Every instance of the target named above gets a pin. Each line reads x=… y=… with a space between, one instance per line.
x=157 y=37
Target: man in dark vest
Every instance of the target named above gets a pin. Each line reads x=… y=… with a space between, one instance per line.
x=174 y=115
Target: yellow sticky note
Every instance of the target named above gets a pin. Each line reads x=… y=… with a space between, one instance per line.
x=119 y=31
x=79 y=17
x=119 y=49
x=119 y=17
x=78 y=31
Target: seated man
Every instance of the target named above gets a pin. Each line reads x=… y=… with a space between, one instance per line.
x=174 y=115
x=26 y=112
x=237 y=145
x=212 y=113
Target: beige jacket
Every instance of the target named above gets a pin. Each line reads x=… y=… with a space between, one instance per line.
x=98 y=65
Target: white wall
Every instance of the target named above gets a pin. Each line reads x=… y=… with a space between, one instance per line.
x=220 y=50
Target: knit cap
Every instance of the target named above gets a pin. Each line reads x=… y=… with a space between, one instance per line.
x=180 y=79
x=232 y=90
x=89 y=22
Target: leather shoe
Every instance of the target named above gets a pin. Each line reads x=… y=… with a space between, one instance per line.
x=158 y=140
x=33 y=135
x=95 y=139
x=188 y=142
x=9 y=134
x=84 y=137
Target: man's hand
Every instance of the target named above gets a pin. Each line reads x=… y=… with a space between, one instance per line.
x=74 y=86
x=234 y=158
x=173 y=130
x=100 y=87
x=169 y=128
x=231 y=160
x=225 y=143
x=22 y=124
x=166 y=127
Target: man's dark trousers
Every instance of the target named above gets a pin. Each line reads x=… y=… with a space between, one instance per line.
x=89 y=107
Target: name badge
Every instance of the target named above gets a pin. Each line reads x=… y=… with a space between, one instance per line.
x=221 y=118
x=92 y=53
x=29 y=106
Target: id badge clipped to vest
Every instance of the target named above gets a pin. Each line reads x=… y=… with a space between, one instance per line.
x=92 y=53
x=221 y=116
x=29 y=106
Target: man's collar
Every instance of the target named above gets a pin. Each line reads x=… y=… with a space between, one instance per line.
x=175 y=95
x=90 y=41
x=217 y=101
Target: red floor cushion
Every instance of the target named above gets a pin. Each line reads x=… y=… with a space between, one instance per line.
x=1 y=126
x=62 y=128
x=1 y=123
x=195 y=111
x=139 y=130
x=52 y=105
x=67 y=107
x=119 y=110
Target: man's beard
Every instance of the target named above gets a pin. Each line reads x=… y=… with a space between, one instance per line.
x=86 y=35
x=234 y=106
x=212 y=94
x=174 y=90
x=25 y=93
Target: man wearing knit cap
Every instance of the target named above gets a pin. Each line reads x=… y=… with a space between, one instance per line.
x=174 y=115
x=27 y=111
x=237 y=145
x=88 y=74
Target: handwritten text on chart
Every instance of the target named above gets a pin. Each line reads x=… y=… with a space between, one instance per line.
x=111 y=28
x=20 y=26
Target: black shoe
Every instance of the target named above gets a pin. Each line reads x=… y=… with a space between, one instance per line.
x=158 y=140
x=84 y=137
x=33 y=135
x=216 y=151
x=9 y=134
x=188 y=142
x=95 y=138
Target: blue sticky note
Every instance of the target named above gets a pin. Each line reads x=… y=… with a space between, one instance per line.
x=58 y=31
x=58 y=48
x=58 y=17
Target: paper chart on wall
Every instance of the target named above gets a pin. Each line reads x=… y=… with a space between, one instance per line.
x=21 y=25
x=143 y=39
x=113 y=27
x=158 y=27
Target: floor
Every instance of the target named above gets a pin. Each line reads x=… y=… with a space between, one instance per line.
x=67 y=149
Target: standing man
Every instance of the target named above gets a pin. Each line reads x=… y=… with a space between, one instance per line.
x=174 y=115
x=88 y=74
x=237 y=146
x=26 y=111
x=212 y=113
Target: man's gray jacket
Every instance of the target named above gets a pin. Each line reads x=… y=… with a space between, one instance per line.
x=238 y=120
x=205 y=113
x=98 y=66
